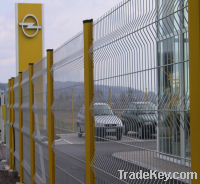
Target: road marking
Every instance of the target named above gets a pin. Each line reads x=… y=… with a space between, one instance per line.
x=67 y=141
x=57 y=140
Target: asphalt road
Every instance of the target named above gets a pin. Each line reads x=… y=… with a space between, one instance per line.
x=70 y=160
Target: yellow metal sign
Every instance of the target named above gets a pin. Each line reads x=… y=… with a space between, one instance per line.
x=29 y=34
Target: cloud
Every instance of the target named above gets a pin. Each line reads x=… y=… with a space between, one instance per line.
x=9 y=62
x=7 y=69
x=62 y=18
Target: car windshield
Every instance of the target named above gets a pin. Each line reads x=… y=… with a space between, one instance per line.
x=145 y=108
x=102 y=110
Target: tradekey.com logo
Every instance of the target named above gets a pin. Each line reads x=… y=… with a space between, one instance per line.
x=156 y=175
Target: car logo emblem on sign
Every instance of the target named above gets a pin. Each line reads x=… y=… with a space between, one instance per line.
x=30 y=25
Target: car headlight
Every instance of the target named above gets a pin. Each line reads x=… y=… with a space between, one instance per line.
x=99 y=125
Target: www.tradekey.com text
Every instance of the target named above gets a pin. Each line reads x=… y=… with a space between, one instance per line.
x=123 y=175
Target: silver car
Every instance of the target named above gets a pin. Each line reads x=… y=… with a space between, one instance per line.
x=106 y=123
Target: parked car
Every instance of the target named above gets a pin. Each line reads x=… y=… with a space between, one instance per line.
x=106 y=123
x=140 y=118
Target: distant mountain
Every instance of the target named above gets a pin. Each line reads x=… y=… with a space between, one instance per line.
x=2 y=86
x=102 y=89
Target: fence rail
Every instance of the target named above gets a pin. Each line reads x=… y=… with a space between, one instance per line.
x=114 y=97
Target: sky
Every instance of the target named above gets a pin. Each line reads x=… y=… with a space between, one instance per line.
x=62 y=20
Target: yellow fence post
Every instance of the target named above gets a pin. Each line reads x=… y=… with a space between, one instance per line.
x=4 y=112
x=20 y=132
x=51 y=133
x=72 y=111
x=194 y=63
x=89 y=96
x=32 y=125
x=10 y=130
x=146 y=96
x=13 y=120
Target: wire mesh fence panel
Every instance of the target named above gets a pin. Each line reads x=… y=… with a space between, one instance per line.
x=39 y=108
x=16 y=123
x=7 y=122
x=141 y=85
x=141 y=103
x=69 y=144
x=26 y=126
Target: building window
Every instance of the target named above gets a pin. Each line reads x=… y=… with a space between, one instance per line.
x=173 y=78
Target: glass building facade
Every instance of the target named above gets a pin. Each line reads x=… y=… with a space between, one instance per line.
x=173 y=79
